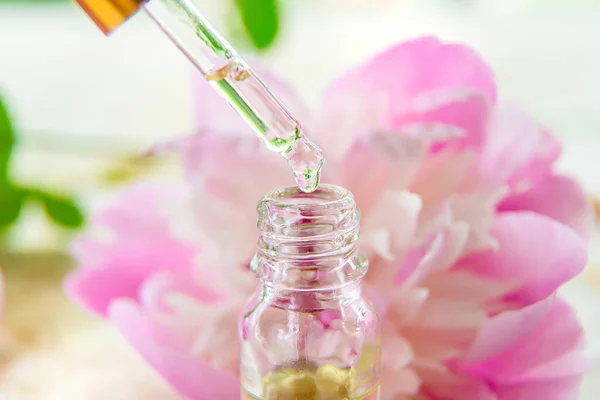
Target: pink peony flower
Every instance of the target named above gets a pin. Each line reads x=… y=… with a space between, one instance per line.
x=468 y=229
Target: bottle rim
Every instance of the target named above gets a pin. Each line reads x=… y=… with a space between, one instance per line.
x=326 y=196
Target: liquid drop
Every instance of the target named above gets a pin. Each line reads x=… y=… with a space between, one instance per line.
x=306 y=161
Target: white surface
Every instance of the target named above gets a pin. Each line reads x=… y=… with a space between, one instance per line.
x=65 y=79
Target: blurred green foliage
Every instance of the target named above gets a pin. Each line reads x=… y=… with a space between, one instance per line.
x=7 y=142
x=260 y=19
x=61 y=210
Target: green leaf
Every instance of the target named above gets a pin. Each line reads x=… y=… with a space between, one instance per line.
x=7 y=141
x=11 y=202
x=61 y=210
x=261 y=20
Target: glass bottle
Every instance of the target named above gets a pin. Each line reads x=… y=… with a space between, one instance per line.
x=308 y=333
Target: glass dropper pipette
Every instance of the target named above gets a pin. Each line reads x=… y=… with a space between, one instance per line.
x=229 y=75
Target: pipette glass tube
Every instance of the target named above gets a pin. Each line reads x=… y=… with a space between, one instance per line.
x=229 y=75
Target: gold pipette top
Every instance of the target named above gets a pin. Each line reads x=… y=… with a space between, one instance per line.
x=110 y=14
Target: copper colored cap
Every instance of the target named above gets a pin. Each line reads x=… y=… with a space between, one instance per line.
x=110 y=14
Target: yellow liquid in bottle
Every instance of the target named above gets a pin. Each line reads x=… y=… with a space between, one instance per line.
x=326 y=382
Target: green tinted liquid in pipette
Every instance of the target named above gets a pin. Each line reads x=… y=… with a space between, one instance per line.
x=236 y=83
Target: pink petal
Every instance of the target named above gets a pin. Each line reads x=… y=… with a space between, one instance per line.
x=437 y=254
x=404 y=306
x=558 y=336
x=512 y=138
x=154 y=246
x=562 y=389
x=89 y=250
x=449 y=340
x=382 y=162
x=533 y=250
x=464 y=120
x=138 y=244
x=234 y=168
x=152 y=291
x=446 y=386
x=505 y=330
x=477 y=207
x=122 y=274
x=398 y=383
x=540 y=162
x=394 y=215
x=229 y=177
x=136 y=218
x=516 y=148
x=398 y=352
x=402 y=88
x=543 y=342
x=412 y=68
x=557 y=197
x=343 y=119
x=96 y=288
x=569 y=364
x=448 y=315
x=465 y=286
x=123 y=270
x=440 y=177
x=191 y=376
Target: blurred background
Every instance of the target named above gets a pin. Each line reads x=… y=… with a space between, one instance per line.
x=77 y=109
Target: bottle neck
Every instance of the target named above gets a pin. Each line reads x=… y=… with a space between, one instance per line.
x=307 y=245
x=310 y=301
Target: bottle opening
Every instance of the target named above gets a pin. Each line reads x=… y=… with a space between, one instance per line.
x=325 y=196
x=308 y=240
x=295 y=222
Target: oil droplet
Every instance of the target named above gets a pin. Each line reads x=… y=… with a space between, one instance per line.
x=306 y=161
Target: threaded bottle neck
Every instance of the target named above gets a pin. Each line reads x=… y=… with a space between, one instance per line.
x=307 y=241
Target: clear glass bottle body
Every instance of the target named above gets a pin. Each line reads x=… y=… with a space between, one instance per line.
x=308 y=333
